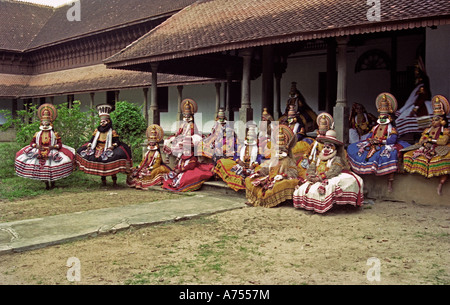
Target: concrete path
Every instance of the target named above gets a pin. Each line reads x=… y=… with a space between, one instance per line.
x=37 y=233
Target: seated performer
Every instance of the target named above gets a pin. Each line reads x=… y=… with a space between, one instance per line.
x=187 y=128
x=275 y=182
x=430 y=157
x=307 y=116
x=361 y=123
x=151 y=170
x=303 y=146
x=104 y=155
x=188 y=174
x=220 y=142
x=327 y=181
x=379 y=153
x=46 y=158
x=413 y=117
x=246 y=162
x=265 y=134
x=324 y=122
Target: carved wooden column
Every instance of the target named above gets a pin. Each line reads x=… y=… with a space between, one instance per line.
x=340 y=111
x=246 y=111
x=154 y=111
x=180 y=99
x=218 y=85
x=145 y=91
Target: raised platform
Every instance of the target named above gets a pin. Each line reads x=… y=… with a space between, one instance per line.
x=406 y=188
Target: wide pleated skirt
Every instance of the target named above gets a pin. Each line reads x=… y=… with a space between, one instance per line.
x=281 y=191
x=118 y=162
x=434 y=167
x=346 y=188
x=383 y=162
x=148 y=178
x=190 y=180
x=59 y=165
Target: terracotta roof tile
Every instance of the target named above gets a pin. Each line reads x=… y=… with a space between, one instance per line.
x=209 y=26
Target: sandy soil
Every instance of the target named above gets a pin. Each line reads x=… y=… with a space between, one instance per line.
x=410 y=244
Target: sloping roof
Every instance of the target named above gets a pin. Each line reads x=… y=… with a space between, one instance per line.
x=209 y=26
x=84 y=80
x=20 y=23
x=25 y=26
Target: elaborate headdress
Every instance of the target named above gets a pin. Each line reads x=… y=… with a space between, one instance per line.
x=285 y=136
x=47 y=112
x=189 y=106
x=386 y=103
x=221 y=113
x=155 y=133
x=266 y=115
x=104 y=111
x=440 y=105
x=324 y=121
x=291 y=112
x=330 y=137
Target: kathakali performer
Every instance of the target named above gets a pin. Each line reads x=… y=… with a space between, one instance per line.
x=275 y=182
x=245 y=162
x=379 y=153
x=151 y=170
x=188 y=174
x=46 y=158
x=430 y=157
x=104 y=155
x=327 y=182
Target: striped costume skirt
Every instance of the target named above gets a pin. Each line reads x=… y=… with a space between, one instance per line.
x=346 y=188
x=116 y=161
x=58 y=165
x=188 y=181
x=148 y=178
x=281 y=191
x=434 y=167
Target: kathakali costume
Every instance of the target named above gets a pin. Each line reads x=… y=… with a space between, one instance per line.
x=220 y=142
x=46 y=158
x=430 y=157
x=188 y=174
x=324 y=122
x=275 y=182
x=104 y=155
x=414 y=116
x=188 y=128
x=303 y=143
x=245 y=162
x=265 y=134
x=379 y=154
x=361 y=123
x=328 y=183
x=307 y=116
x=151 y=170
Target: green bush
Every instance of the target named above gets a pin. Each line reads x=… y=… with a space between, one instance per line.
x=130 y=124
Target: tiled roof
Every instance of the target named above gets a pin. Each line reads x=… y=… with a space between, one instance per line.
x=20 y=23
x=25 y=26
x=209 y=26
x=83 y=80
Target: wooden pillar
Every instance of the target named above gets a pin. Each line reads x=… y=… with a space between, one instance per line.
x=331 y=75
x=92 y=100
x=154 y=111
x=145 y=91
x=340 y=111
x=267 y=77
x=228 y=112
x=246 y=111
x=180 y=99
x=218 y=85
x=14 y=108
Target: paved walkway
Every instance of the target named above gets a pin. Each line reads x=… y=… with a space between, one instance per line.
x=37 y=233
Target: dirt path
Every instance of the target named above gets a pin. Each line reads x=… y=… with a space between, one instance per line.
x=410 y=243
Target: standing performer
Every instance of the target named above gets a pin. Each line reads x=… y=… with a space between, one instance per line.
x=46 y=158
x=430 y=157
x=327 y=181
x=275 y=182
x=104 y=155
x=379 y=153
x=151 y=170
